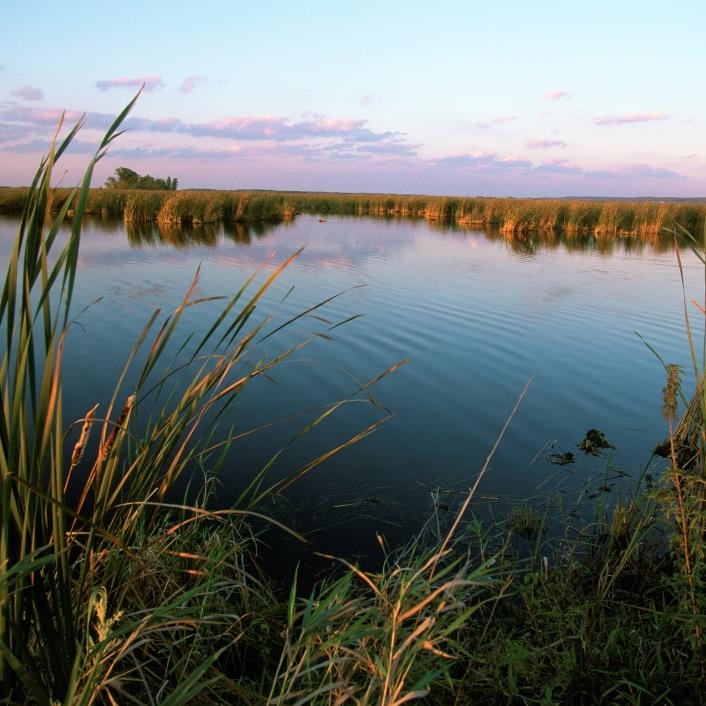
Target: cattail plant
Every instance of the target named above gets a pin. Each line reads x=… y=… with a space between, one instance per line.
x=123 y=594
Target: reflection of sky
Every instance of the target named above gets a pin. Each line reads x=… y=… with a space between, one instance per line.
x=475 y=318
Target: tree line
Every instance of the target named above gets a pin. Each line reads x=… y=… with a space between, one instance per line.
x=125 y=178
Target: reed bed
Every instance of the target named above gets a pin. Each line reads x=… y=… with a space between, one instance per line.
x=599 y=218
x=518 y=216
x=180 y=207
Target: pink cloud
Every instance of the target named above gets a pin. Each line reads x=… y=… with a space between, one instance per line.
x=559 y=167
x=629 y=118
x=316 y=151
x=389 y=148
x=365 y=101
x=242 y=127
x=284 y=169
x=635 y=171
x=267 y=152
x=28 y=93
x=484 y=161
x=544 y=144
x=498 y=120
x=190 y=82
x=557 y=95
x=151 y=83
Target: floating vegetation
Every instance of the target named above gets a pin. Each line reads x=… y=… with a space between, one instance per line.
x=561 y=459
x=594 y=442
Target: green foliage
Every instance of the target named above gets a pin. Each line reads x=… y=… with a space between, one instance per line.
x=598 y=620
x=383 y=638
x=125 y=178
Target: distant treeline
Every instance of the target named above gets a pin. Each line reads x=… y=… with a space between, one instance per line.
x=513 y=216
x=125 y=178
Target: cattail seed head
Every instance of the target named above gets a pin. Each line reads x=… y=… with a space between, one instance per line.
x=80 y=447
x=670 y=392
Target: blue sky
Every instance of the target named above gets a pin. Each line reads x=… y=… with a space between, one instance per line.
x=514 y=98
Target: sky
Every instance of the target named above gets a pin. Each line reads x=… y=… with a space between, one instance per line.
x=578 y=98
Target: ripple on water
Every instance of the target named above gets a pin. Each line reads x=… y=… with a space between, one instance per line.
x=475 y=319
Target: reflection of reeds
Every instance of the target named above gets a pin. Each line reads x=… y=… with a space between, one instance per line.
x=181 y=236
x=185 y=236
x=531 y=242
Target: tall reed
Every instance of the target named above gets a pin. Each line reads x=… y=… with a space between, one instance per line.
x=110 y=589
x=598 y=218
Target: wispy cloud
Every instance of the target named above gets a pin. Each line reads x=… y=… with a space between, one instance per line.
x=389 y=149
x=28 y=93
x=151 y=83
x=635 y=171
x=629 y=118
x=38 y=117
x=10 y=132
x=544 y=144
x=491 y=163
x=38 y=145
x=313 y=150
x=365 y=101
x=256 y=139
x=485 y=161
x=176 y=152
x=498 y=120
x=557 y=95
x=559 y=167
x=242 y=127
x=190 y=82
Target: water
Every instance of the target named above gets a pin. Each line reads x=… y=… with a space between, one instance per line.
x=475 y=314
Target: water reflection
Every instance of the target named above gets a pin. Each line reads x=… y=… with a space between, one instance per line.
x=141 y=235
x=533 y=243
x=537 y=241
x=476 y=312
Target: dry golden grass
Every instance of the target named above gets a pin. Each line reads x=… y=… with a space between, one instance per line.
x=612 y=218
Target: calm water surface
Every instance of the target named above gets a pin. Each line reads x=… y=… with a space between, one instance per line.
x=476 y=316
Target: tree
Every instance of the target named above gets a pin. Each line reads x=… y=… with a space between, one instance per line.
x=125 y=178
